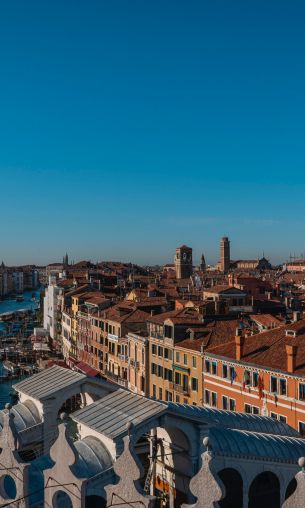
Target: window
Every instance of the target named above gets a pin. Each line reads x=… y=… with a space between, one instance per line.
x=280 y=418
x=302 y=428
x=214 y=368
x=207 y=399
x=185 y=383
x=232 y=374
x=160 y=351
x=168 y=396
x=224 y=371
x=185 y=359
x=252 y=410
x=301 y=391
x=160 y=370
x=194 y=384
x=154 y=392
x=154 y=349
x=168 y=374
x=207 y=366
x=153 y=368
x=160 y=394
x=177 y=378
x=166 y=353
x=168 y=331
x=225 y=401
x=283 y=386
x=232 y=405
x=273 y=384
x=247 y=378
x=255 y=378
x=177 y=398
x=214 y=399
x=194 y=362
x=177 y=357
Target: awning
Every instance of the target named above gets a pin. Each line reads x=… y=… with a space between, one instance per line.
x=86 y=369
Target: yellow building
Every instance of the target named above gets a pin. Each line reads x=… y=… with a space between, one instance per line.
x=170 y=379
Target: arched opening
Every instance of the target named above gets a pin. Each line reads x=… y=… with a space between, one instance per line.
x=233 y=484
x=61 y=500
x=95 y=502
x=8 y=489
x=164 y=454
x=71 y=404
x=292 y=485
x=265 y=491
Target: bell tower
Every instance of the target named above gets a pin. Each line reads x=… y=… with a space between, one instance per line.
x=184 y=262
x=225 y=254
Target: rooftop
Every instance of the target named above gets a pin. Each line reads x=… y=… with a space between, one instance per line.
x=48 y=382
x=111 y=414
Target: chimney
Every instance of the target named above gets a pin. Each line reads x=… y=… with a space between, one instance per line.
x=239 y=343
x=296 y=316
x=291 y=357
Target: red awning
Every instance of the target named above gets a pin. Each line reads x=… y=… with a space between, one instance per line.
x=61 y=363
x=86 y=369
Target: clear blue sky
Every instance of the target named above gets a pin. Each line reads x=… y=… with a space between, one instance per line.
x=128 y=127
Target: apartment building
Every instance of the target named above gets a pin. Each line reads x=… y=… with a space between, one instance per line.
x=138 y=362
x=116 y=323
x=168 y=378
x=262 y=374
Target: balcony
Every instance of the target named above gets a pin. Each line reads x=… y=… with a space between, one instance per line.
x=134 y=364
x=156 y=335
x=181 y=389
x=123 y=358
x=117 y=379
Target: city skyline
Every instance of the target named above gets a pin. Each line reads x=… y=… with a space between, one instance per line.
x=130 y=128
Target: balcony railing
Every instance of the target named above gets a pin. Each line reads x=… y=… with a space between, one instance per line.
x=123 y=358
x=181 y=389
x=117 y=379
x=134 y=364
x=156 y=335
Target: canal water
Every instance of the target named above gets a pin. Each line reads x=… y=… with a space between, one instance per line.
x=5 y=389
x=28 y=303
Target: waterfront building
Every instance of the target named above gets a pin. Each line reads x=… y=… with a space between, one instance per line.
x=51 y=308
x=138 y=362
x=167 y=378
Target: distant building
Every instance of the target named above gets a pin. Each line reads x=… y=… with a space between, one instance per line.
x=225 y=254
x=252 y=264
x=202 y=263
x=296 y=266
x=184 y=262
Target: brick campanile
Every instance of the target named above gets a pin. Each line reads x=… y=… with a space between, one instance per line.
x=184 y=262
x=225 y=253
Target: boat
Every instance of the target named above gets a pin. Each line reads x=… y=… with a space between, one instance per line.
x=10 y=368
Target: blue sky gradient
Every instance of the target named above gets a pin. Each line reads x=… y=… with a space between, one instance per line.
x=130 y=127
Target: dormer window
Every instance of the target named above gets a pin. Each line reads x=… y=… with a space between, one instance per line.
x=291 y=333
